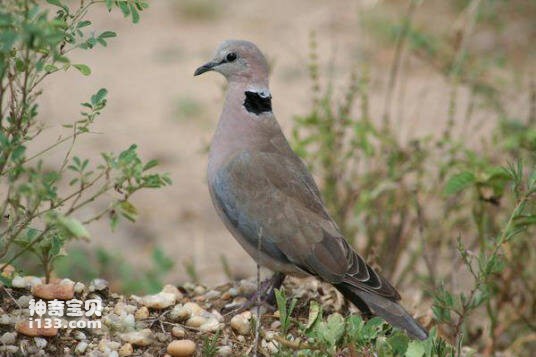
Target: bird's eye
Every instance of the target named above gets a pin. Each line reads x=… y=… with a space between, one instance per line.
x=231 y=57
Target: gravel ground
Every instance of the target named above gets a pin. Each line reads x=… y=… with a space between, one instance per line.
x=177 y=321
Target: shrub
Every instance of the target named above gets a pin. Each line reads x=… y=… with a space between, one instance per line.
x=40 y=203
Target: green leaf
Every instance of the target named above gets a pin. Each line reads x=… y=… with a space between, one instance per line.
x=82 y=24
x=415 y=349
x=459 y=182
x=73 y=226
x=49 y=68
x=314 y=312
x=84 y=69
x=108 y=34
x=149 y=165
x=333 y=329
x=128 y=210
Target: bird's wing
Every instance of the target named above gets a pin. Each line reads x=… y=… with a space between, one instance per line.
x=273 y=195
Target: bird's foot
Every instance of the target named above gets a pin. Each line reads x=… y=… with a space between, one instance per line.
x=265 y=295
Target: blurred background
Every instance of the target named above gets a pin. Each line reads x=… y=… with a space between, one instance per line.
x=155 y=101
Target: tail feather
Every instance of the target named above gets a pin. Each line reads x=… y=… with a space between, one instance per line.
x=389 y=310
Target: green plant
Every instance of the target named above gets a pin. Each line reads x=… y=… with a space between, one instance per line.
x=210 y=345
x=435 y=211
x=39 y=201
x=285 y=309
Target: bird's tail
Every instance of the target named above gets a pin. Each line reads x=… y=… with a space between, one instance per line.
x=389 y=310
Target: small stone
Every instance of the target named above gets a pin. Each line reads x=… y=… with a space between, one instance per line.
x=233 y=292
x=98 y=285
x=178 y=332
x=24 y=300
x=211 y=325
x=5 y=320
x=159 y=301
x=108 y=346
x=18 y=282
x=138 y=338
x=142 y=313
x=53 y=291
x=181 y=348
x=241 y=323
x=79 y=335
x=66 y=281
x=80 y=348
x=40 y=342
x=121 y=308
x=275 y=325
x=79 y=288
x=8 y=338
x=226 y=296
x=247 y=287
x=162 y=337
x=270 y=346
x=9 y=349
x=126 y=350
x=196 y=321
x=170 y=289
x=199 y=290
x=212 y=294
x=183 y=312
x=225 y=351
x=24 y=328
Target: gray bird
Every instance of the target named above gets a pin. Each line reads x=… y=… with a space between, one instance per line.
x=267 y=199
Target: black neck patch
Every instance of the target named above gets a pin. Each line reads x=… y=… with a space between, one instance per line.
x=257 y=104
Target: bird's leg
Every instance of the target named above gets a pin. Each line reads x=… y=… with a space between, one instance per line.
x=266 y=292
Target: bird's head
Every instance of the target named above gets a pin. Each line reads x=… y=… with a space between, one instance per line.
x=237 y=61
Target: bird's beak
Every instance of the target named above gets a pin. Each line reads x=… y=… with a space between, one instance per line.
x=205 y=68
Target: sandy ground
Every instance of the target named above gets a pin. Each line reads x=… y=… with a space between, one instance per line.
x=155 y=101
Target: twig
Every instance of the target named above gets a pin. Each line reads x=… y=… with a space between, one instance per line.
x=393 y=73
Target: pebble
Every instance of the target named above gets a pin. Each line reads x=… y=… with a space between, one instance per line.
x=53 y=291
x=241 y=323
x=66 y=281
x=98 y=285
x=9 y=349
x=8 y=338
x=158 y=301
x=142 y=313
x=126 y=350
x=178 y=332
x=108 y=346
x=24 y=300
x=212 y=294
x=24 y=328
x=170 y=289
x=138 y=338
x=183 y=312
x=80 y=348
x=121 y=307
x=199 y=290
x=225 y=351
x=181 y=348
x=275 y=325
x=79 y=335
x=79 y=288
x=5 y=319
x=247 y=287
x=26 y=282
x=270 y=346
x=211 y=325
x=40 y=342
x=196 y=321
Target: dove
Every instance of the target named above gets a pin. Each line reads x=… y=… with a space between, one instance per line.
x=270 y=202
